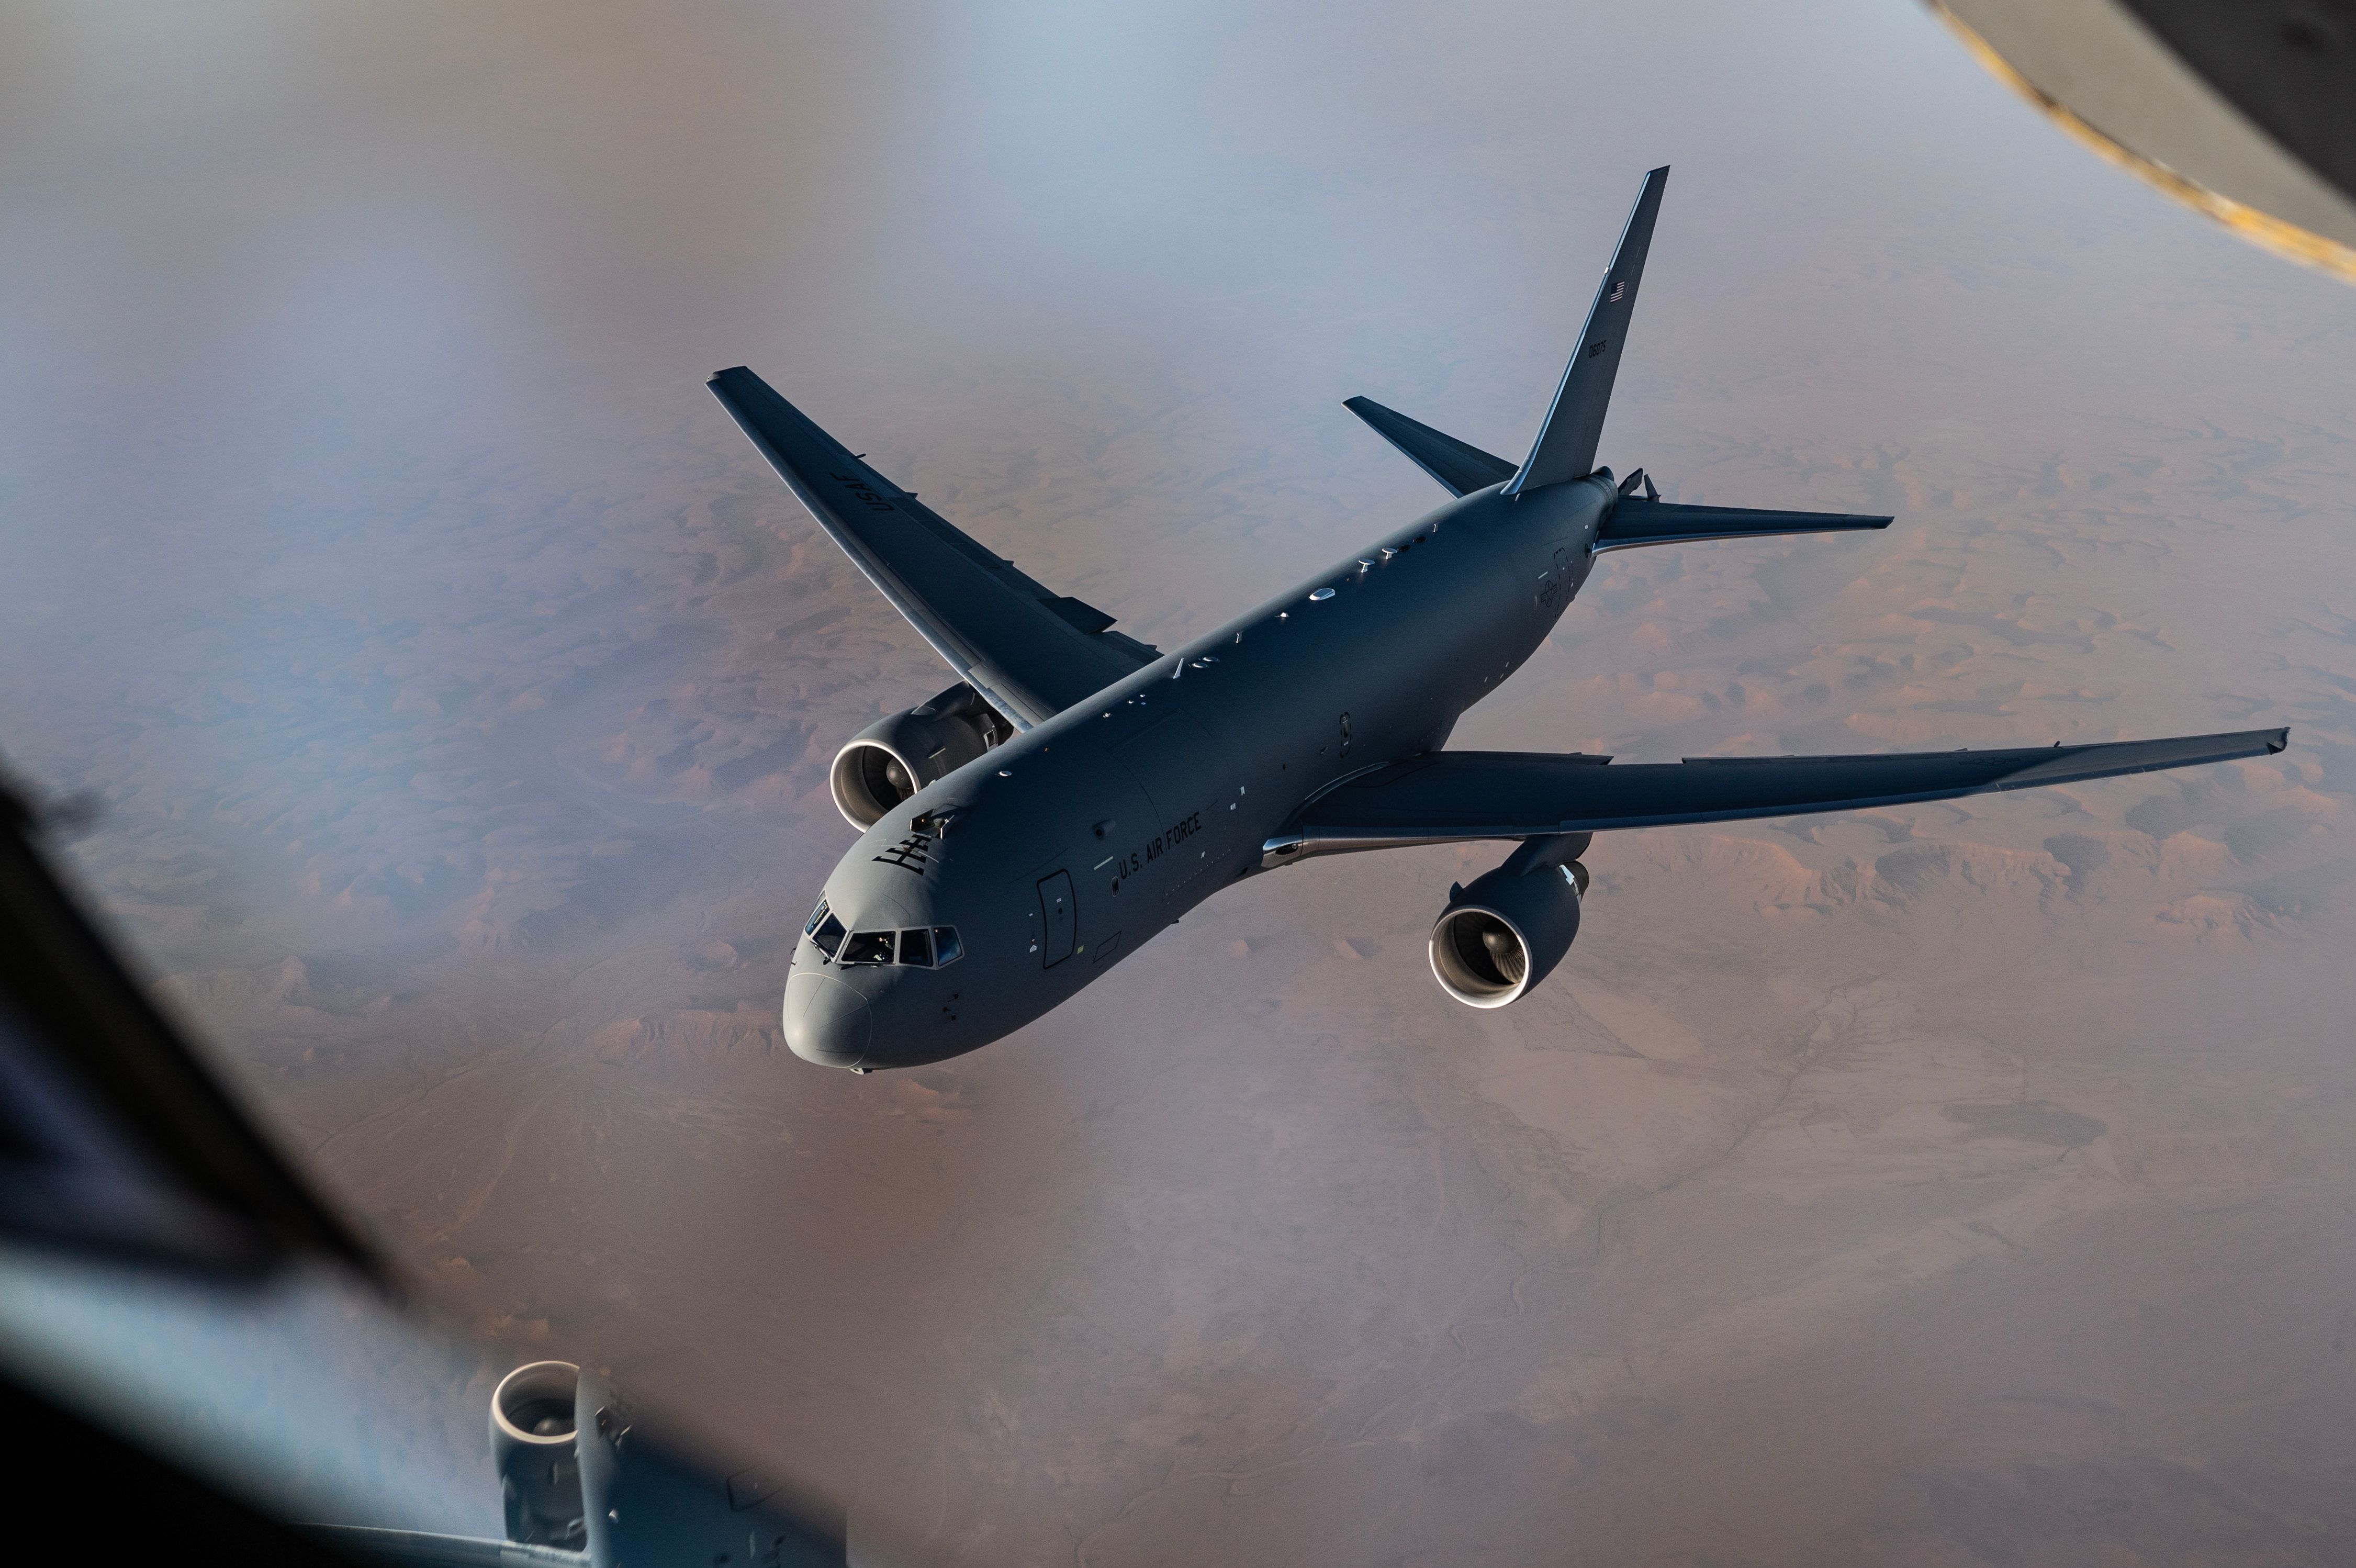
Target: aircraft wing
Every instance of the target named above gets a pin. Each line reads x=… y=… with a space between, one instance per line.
x=1458 y=795
x=1028 y=650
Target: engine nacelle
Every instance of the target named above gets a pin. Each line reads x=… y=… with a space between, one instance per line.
x=580 y=1470
x=531 y=1442
x=893 y=758
x=1506 y=932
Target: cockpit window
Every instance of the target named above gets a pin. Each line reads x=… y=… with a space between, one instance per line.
x=920 y=948
x=816 y=916
x=868 y=947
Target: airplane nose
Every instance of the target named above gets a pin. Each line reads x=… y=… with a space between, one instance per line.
x=826 y=1021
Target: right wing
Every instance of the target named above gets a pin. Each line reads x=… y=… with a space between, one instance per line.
x=1031 y=651
x=1450 y=795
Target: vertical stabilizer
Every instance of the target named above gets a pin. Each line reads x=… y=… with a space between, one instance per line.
x=1565 y=443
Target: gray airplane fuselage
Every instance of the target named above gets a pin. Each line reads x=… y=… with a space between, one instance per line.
x=1066 y=849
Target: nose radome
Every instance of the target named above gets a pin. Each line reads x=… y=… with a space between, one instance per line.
x=826 y=1021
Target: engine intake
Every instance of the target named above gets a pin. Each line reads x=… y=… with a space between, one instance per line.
x=893 y=758
x=531 y=1444
x=1506 y=932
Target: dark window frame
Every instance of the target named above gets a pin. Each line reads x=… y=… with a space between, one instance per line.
x=830 y=935
x=891 y=940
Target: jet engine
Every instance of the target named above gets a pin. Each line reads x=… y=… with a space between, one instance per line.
x=531 y=1444
x=580 y=1471
x=1506 y=932
x=893 y=758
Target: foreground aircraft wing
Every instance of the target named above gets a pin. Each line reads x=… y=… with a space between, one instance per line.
x=1028 y=650
x=1458 y=795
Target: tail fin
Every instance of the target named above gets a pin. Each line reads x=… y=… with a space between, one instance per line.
x=1566 y=444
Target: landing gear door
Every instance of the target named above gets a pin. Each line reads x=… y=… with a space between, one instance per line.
x=1056 y=922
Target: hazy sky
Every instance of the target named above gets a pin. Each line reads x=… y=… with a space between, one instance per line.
x=1964 y=1183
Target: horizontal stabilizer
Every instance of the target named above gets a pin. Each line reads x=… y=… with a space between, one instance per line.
x=1565 y=449
x=1633 y=520
x=1453 y=796
x=1460 y=466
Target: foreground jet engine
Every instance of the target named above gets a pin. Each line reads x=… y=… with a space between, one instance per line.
x=1506 y=932
x=585 y=1486
x=531 y=1444
x=893 y=758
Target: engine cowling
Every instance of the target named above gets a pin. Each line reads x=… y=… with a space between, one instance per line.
x=1506 y=932
x=533 y=1419
x=581 y=1470
x=896 y=755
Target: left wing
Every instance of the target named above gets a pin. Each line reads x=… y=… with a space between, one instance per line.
x=1030 y=651
x=1457 y=795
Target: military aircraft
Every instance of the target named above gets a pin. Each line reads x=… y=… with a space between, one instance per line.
x=1077 y=791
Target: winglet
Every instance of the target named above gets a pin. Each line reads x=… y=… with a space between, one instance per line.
x=1565 y=448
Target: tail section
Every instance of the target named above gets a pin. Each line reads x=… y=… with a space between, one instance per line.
x=1567 y=442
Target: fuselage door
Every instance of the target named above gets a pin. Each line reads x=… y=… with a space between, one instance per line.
x=1056 y=922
